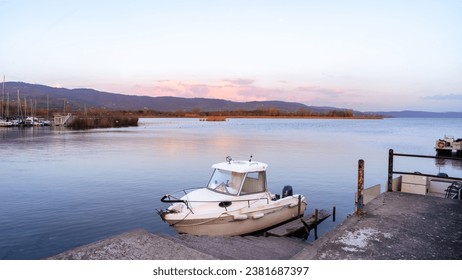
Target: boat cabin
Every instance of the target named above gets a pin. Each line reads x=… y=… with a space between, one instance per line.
x=238 y=177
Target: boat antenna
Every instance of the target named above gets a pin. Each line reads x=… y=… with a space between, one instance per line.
x=229 y=159
x=250 y=160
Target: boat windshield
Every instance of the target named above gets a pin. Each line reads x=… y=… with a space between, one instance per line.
x=226 y=182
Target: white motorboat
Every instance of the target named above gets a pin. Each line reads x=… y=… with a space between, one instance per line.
x=30 y=121
x=4 y=123
x=448 y=144
x=236 y=201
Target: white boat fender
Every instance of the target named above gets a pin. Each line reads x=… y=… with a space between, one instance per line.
x=240 y=217
x=258 y=216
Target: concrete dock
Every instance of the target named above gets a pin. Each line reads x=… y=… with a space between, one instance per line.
x=394 y=226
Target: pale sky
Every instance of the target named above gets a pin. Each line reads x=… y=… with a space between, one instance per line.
x=363 y=55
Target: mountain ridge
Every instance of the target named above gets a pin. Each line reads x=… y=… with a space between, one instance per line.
x=418 y=114
x=79 y=98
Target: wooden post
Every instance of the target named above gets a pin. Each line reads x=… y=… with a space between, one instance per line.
x=299 y=205
x=316 y=224
x=390 y=171
x=360 y=196
x=333 y=214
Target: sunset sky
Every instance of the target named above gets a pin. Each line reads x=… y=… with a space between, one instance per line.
x=362 y=55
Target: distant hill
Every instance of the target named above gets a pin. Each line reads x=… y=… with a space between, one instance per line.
x=420 y=114
x=90 y=98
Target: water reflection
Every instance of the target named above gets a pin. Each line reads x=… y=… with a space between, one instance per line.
x=455 y=163
x=61 y=188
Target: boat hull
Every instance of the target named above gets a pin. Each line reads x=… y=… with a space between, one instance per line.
x=234 y=223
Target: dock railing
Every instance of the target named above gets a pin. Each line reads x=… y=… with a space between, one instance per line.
x=391 y=171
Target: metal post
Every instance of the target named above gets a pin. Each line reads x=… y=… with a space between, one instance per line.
x=333 y=214
x=360 y=196
x=299 y=205
x=390 y=171
x=316 y=224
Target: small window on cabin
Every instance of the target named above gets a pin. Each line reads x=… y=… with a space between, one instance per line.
x=254 y=183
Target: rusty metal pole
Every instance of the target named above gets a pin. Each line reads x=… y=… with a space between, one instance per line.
x=316 y=224
x=360 y=196
x=299 y=205
x=390 y=171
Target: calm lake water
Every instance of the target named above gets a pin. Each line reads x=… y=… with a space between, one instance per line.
x=60 y=189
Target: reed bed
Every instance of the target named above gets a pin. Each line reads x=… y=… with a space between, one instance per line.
x=214 y=119
x=81 y=123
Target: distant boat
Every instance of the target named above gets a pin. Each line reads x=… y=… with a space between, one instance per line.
x=448 y=144
x=46 y=123
x=4 y=123
x=30 y=121
x=16 y=122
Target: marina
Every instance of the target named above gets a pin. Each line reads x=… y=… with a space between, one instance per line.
x=25 y=114
x=27 y=122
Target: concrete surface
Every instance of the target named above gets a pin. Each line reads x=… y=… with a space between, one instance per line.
x=395 y=226
x=242 y=247
x=134 y=245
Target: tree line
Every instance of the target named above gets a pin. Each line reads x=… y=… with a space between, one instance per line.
x=264 y=112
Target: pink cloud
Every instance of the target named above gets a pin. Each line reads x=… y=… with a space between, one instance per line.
x=188 y=90
x=320 y=91
x=242 y=82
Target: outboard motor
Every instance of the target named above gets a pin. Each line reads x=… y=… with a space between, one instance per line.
x=287 y=191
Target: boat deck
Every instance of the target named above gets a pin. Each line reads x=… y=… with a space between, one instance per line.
x=394 y=225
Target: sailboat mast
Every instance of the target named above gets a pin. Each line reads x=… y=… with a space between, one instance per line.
x=3 y=94
x=7 y=109
x=48 y=111
x=19 y=106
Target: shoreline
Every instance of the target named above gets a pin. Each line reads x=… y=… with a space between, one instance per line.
x=267 y=117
